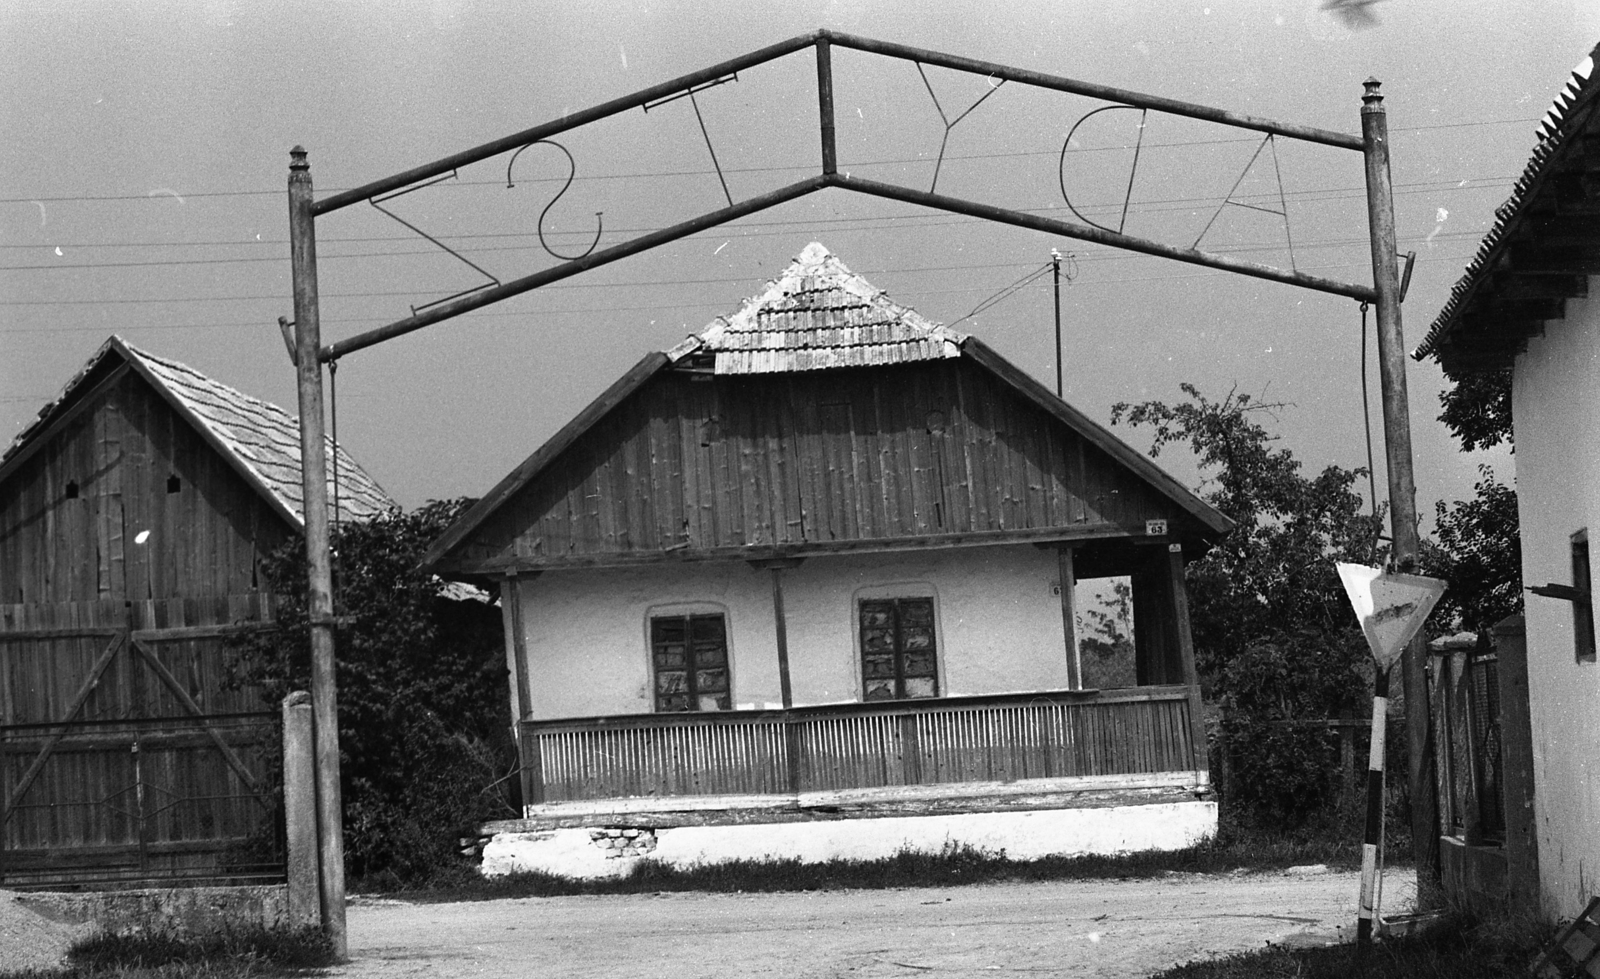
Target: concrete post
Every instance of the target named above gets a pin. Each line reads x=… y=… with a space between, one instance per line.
x=300 y=810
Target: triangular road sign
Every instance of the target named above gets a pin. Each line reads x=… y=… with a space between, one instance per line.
x=1391 y=607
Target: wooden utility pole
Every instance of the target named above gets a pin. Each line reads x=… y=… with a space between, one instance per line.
x=1397 y=455
x=1055 y=264
x=319 y=590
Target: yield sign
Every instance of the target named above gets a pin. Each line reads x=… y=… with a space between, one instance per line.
x=1391 y=607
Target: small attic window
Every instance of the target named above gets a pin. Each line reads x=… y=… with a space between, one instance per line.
x=72 y=490
x=174 y=484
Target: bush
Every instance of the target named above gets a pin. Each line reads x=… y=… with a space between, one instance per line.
x=425 y=746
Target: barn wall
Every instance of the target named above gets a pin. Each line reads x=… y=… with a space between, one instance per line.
x=203 y=540
x=999 y=626
x=857 y=454
x=1555 y=401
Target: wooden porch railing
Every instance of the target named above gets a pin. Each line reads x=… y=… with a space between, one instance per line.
x=854 y=746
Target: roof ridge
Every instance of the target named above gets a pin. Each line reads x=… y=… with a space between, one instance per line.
x=810 y=317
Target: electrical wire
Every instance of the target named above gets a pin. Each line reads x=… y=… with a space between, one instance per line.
x=153 y=196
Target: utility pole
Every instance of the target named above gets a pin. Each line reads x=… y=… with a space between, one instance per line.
x=1055 y=263
x=319 y=591
x=1397 y=453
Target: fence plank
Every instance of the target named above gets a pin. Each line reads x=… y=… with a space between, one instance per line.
x=862 y=746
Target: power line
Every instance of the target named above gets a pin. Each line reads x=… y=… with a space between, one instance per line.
x=1100 y=255
x=1149 y=207
x=165 y=193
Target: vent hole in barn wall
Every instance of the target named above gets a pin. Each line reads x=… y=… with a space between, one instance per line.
x=174 y=484
x=72 y=491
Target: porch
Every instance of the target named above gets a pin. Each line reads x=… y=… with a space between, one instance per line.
x=1060 y=741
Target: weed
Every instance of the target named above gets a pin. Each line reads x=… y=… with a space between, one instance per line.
x=953 y=866
x=1461 y=947
x=259 y=953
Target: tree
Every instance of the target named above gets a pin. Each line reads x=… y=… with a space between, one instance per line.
x=1275 y=639
x=1480 y=540
x=1275 y=572
x=422 y=692
x=1477 y=409
x=1480 y=555
x=1106 y=649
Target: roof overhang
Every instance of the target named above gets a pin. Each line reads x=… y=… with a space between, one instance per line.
x=1542 y=249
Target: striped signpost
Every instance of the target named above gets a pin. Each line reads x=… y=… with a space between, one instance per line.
x=1391 y=608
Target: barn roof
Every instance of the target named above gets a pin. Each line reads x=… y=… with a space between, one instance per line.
x=260 y=440
x=1542 y=247
x=817 y=315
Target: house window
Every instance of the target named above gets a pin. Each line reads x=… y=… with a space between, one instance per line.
x=898 y=655
x=1582 y=608
x=690 y=656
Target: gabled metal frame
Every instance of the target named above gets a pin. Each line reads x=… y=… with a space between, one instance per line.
x=311 y=353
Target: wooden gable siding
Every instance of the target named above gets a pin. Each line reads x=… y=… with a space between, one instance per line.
x=697 y=464
x=119 y=448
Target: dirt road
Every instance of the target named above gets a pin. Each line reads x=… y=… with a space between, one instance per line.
x=1071 y=928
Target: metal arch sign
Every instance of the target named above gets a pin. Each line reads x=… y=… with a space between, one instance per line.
x=1391 y=607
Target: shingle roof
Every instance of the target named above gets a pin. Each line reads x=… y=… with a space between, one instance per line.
x=1564 y=135
x=260 y=440
x=818 y=314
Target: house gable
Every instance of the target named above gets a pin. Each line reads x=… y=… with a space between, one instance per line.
x=124 y=500
x=137 y=444
x=938 y=453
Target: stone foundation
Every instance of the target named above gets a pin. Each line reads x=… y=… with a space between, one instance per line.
x=180 y=911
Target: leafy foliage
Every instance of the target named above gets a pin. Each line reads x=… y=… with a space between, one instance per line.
x=1274 y=637
x=421 y=688
x=1480 y=554
x=1478 y=410
x=1106 y=647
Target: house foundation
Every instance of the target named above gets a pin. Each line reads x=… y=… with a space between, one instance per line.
x=1020 y=820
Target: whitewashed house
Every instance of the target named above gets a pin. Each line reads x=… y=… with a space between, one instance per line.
x=1527 y=305
x=814 y=566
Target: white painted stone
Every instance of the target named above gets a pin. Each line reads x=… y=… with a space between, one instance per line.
x=1021 y=835
x=562 y=852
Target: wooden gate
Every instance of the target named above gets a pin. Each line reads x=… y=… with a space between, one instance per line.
x=125 y=756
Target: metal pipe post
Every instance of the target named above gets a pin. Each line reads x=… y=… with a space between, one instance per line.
x=319 y=585
x=830 y=151
x=1373 y=838
x=1397 y=456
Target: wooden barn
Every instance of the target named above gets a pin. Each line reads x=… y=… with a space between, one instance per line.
x=133 y=513
x=818 y=561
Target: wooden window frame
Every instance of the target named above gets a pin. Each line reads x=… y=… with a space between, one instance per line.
x=899 y=652
x=692 y=669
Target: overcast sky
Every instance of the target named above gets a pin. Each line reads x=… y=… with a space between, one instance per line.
x=146 y=149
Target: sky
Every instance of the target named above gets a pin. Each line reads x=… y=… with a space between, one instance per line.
x=146 y=152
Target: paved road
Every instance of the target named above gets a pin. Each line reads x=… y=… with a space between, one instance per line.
x=1071 y=928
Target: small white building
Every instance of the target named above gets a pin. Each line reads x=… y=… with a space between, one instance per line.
x=814 y=567
x=1527 y=305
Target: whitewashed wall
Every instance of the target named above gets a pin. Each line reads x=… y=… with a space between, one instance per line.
x=998 y=626
x=1556 y=407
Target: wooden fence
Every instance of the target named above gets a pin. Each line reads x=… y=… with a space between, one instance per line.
x=854 y=746
x=125 y=755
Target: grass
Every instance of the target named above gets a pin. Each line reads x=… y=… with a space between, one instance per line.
x=254 y=954
x=1460 y=947
x=954 y=866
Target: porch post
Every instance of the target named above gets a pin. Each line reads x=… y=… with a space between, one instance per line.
x=1069 y=627
x=1191 y=675
x=780 y=624
x=517 y=647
